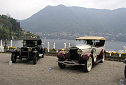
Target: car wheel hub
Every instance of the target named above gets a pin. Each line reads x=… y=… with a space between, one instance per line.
x=94 y=56
x=103 y=59
x=89 y=64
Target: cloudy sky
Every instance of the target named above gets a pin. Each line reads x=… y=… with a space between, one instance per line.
x=22 y=9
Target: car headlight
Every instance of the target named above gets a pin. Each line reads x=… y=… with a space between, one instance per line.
x=24 y=43
x=79 y=51
x=29 y=49
x=66 y=50
x=18 y=49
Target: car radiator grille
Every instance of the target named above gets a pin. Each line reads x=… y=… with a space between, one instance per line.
x=24 y=52
x=74 y=55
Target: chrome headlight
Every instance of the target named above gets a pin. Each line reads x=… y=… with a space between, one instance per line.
x=24 y=43
x=29 y=49
x=79 y=51
x=18 y=49
x=66 y=50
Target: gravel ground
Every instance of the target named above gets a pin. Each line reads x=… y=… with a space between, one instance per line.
x=24 y=73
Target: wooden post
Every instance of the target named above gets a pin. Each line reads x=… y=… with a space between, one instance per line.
x=1 y=43
x=110 y=53
x=54 y=46
x=64 y=45
x=1 y=47
x=69 y=45
x=48 y=46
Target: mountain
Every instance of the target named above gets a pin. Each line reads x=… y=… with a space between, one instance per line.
x=76 y=19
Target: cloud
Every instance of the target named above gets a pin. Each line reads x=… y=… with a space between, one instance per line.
x=22 y=9
x=108 y=4
x=19 y=8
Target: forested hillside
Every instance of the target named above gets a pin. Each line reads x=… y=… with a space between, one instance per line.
x=10 y=29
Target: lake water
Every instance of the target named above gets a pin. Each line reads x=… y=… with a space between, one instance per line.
x=109 y=46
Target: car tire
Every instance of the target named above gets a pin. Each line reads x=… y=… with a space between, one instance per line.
x=13 y=58
x=34 y=59
x=103 y=58
x=94 y=55
x=88 y=64
x=61 y=65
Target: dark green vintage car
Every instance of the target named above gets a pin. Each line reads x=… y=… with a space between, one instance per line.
x=32 y=49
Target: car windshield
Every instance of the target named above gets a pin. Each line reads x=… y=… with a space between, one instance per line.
x=29 y=43
x=79 y=43
x=89 y=42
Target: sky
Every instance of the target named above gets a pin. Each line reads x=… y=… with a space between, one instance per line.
x=23 y=9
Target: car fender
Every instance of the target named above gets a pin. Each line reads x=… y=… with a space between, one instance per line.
x=86 y=56
x=15 y=52
x=61 y=54
x=102 y=51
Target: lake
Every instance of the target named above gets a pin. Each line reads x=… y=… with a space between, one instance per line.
x=109 y=45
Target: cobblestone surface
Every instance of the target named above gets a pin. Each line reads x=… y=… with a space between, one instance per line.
x=47 y=72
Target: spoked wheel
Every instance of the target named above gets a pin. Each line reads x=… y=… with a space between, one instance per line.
x=88 y=64
x=103 y=58
x=34 y=59
x=94 y=55
x=61 y=65
x=13 y=58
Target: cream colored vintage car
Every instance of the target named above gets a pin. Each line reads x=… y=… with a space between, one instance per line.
x=88 y=53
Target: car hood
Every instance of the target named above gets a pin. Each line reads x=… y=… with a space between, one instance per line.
x=83 y=46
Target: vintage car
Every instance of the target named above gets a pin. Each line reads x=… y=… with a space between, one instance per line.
x=32 y=49
x=89 y=51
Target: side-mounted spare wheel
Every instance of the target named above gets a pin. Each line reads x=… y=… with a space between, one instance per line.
x=103 y=58
x=94 y=55
x=88 y=64
x=13 y=58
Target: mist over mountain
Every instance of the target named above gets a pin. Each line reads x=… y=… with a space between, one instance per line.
x=76 y=19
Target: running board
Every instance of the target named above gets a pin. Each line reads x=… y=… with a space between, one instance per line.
x=70 y=62
x=98 y=61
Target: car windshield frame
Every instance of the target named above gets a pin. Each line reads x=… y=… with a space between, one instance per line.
x=31 y=43
x=79 y=43
x=92 y=40
x=96 y=43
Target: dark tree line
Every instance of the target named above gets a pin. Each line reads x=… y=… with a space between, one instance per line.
x=10 y=28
